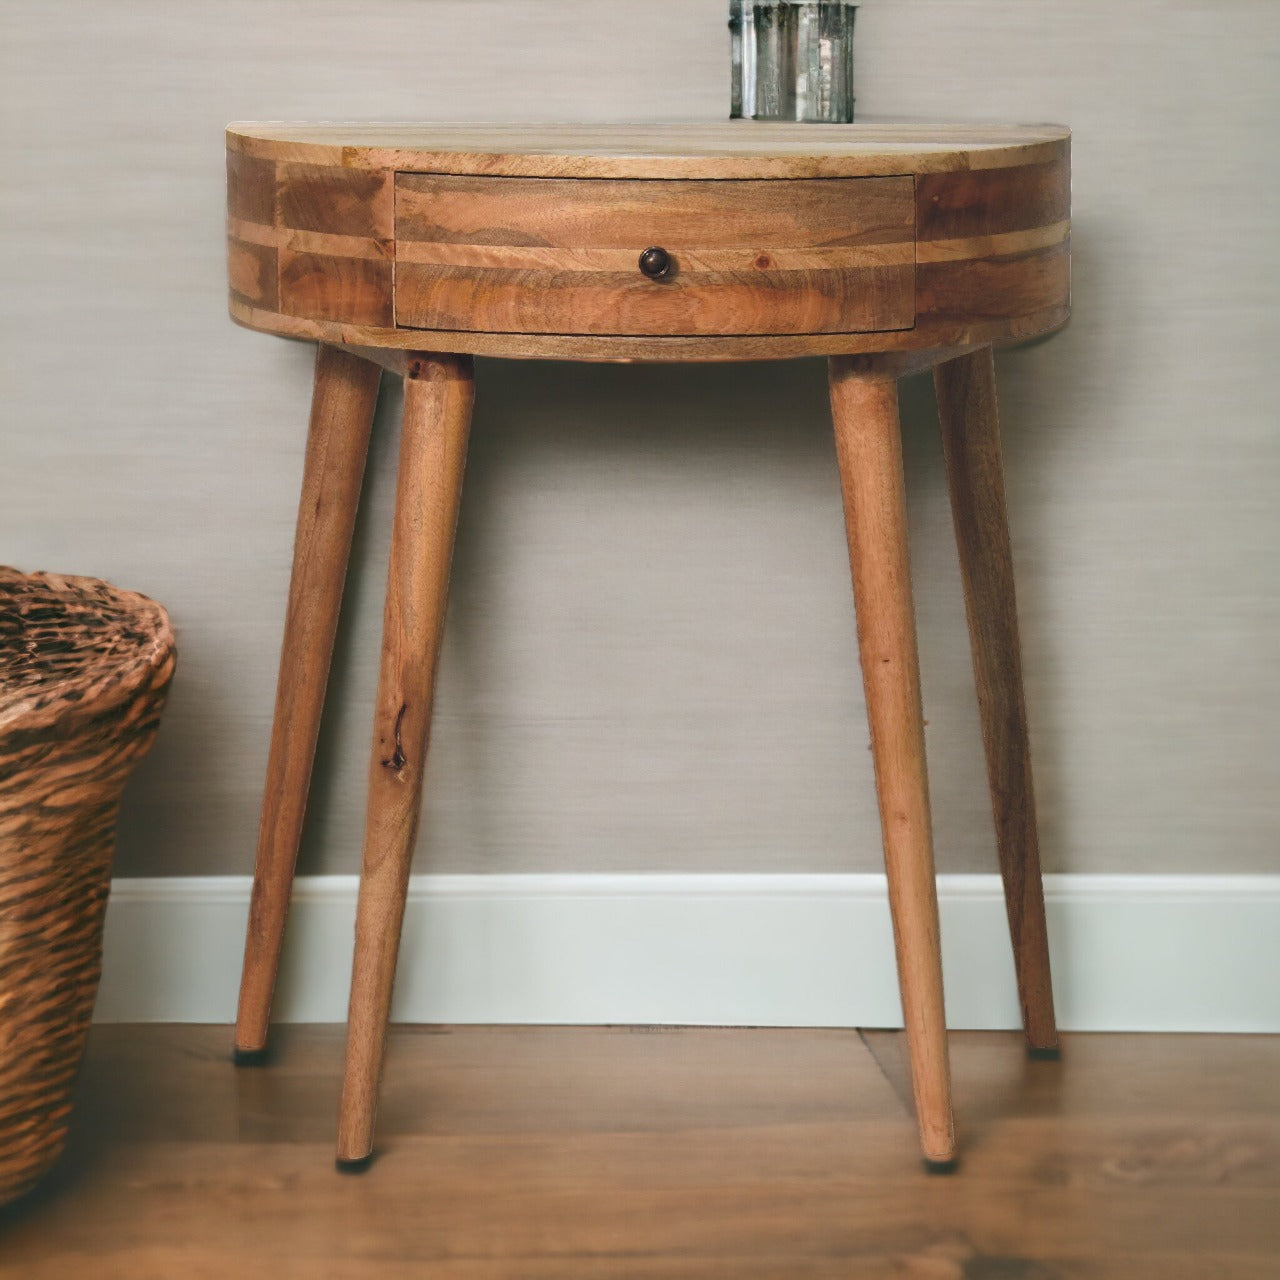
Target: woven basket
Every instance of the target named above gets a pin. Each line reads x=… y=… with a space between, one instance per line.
x=84 y=670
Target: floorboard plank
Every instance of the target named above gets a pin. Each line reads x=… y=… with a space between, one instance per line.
x=658 y=1152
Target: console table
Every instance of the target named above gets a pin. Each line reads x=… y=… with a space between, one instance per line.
x=412 y=248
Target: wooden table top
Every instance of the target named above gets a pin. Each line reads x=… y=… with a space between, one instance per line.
x=523 y=240
x=720 y=149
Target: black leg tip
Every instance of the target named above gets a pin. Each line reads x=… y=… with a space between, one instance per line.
x=1044 y=1055
x=249 y=1057
x=940 y=1167
x=358 y=1165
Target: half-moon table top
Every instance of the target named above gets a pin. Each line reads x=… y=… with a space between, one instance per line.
x=728 y=240
x=720 y=149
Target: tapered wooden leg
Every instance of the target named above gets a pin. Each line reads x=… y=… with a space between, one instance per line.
x=869 y=448
x=345 y=394
x=966 y=390
x=437 y=417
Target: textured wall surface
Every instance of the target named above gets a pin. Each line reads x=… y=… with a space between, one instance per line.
x=650 y=660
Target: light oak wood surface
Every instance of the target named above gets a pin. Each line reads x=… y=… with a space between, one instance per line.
x=343 y=402
x=522 y=241
x=869 y=450
x=567 y=1153
x=545 y=255
x=433 y=451
x=625 y=350
x=742 y=149
x=896 y=247
x=966 y=390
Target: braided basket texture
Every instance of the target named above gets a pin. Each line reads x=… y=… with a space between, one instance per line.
x=84 y=670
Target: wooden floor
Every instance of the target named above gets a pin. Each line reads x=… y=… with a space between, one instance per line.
x=550 y=1153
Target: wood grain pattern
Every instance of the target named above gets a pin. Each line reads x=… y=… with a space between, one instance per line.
x=529 y=252
x=602 y=349
x=321 y=286
x=961 y=295
x=343 y=402
x=776 y=249
x=84 y=673
x=588 y=214
x=251 y=188
x=437 y=418
x=993 y=245
x=494 y=300
x=253 y=273
x=869 y=449
x=991 y=201
x=966 y=389
x=577 y=1153
x=348 y=202
x=725 y=240
x=741 y=149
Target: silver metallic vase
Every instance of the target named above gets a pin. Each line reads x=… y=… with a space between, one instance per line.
x=792 y=61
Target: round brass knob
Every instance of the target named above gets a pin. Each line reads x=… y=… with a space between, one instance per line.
x=655 y=262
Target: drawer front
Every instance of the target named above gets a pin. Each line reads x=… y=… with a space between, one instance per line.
x=561 y=256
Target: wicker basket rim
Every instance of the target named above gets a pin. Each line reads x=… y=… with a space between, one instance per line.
x=132 y=639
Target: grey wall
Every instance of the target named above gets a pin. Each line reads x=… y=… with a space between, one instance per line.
x=650 y=660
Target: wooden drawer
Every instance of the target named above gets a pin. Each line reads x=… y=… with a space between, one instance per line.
x=560 y=255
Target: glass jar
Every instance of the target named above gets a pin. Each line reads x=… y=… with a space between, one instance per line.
x=792 y=61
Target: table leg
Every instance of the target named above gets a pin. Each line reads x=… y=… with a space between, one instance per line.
x=437 y=416
x=869 y=448
x=345 y=393
x=966 y=390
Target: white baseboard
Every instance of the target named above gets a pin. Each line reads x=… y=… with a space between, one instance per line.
x=1134 y=953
